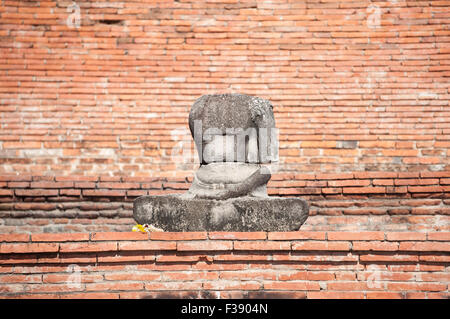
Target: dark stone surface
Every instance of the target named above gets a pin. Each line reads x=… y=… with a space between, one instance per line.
x=175 y=213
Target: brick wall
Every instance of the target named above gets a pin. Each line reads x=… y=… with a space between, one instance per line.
x=225 y=265
x=94 y=98
x=408 y=201
x=104 y=87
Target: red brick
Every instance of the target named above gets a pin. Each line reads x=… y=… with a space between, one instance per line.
x=320 y=275
x=103 y=192
x=118 y=185
x=375 y=175
x=44 y=184
x=434 y=174
x=114 y=286
x=14 y=237
x=126 y=258
x=35 y=206
x=383 y=182
x=198 y=275
x=36 y=192
x=297 y=275
x=424 y=246
x=173 y=285
x=355 y=236
x=351 y=182
x=113 y=236
x=146 y=245
x=237 y=235
x=13 y=278
x=292 y=285
x=441 y=236
x=53 y=288
x=125 y=276
x=374 y=246
x=16 y=178
x=363 y=190
x=6 y=192
x=22 y=145
x=374 y=257
x=404 y=236
x=59 y=237
x=18 y=184
x=232 y=285
x=318 y=144
x=8 y=248
x=414 y=286
x=347 y=286
x=296 y=235
x=215 y=245
x=70 y=192
x=383 y=295
x=89 y=295
x=318 y=245
x=262 y=245
x=178 y=235
x=335 y=295
x=425 y=181
x=426 y=189
x=87 y=247
x=65 y=277
x=330 y=176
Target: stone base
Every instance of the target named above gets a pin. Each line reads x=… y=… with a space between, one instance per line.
x=178 y=214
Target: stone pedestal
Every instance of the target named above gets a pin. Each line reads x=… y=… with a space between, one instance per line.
x=175 y=213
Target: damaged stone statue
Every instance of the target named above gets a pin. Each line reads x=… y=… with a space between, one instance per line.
x=236 y=139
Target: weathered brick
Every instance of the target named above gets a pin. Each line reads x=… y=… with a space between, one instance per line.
x=296 y=235
x=60 y=237
x=146 y=245
x=368 y=236
x=363 y=190
x=103 y=192
x=375 y=246
x=364 y=149
x=404 y=236
x=335 y=295
x=278 y=285
x=8 y=248
x=36 y=192
x=14 y=237
x=178 y=235
x=113 y=236
x=424 y=246
x=204 y=245
x=318 y=245
x=262 y=245
x=442 y=236
x=87 y=247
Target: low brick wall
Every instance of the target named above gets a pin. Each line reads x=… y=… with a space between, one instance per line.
x=381 y=201
x=225 y=265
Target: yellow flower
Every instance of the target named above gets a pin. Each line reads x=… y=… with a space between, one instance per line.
x=139 y=227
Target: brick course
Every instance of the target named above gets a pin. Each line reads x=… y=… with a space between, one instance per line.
x=105 y=203
x=240 y=265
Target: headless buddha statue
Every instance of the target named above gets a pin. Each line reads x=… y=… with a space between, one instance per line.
x=234 y=135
